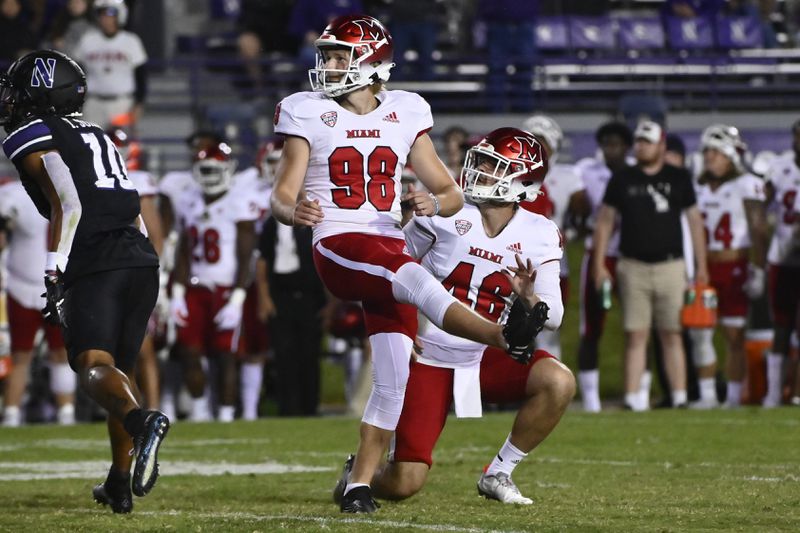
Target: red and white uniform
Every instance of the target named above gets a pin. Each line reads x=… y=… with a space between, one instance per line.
x=726 y=229
x=25 y=260
x=259 y=190
x=457 y=251
x=144 y=182
x=354 y=172
x=211 y=230
x=356 y=160
x=174 y=184
x=595 y=176
x=784 y=252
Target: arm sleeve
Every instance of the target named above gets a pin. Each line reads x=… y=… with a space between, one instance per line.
x=140 y=83
x=420 y=236
x=613 y=193
x=548 y=288
x=32 y=137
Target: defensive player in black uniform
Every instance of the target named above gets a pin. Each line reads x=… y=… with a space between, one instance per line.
x=102 y=272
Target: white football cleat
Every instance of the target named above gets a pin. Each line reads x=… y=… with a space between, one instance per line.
x=500 y=487
x=705 y=404
x=66 y=415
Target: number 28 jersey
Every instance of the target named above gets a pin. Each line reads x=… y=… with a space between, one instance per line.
x=101 y=236
x=457 y=251
x=356 y=160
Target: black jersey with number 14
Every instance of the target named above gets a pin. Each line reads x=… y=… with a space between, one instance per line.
x=94 y=180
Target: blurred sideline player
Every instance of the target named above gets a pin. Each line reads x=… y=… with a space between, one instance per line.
x=614 y=140
x=147 y=371
x=783 y=192
x=258 y=306
x=732 y=203
x=101 y=272
x=212 y=270
x=471 y=254
x=346 y=145
x=27 y=247
x=565 y=191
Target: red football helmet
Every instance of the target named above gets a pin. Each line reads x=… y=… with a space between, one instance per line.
x=131 y=151
x=267 y=157
x=508 y=165
x=213 y=169
x=371 y=52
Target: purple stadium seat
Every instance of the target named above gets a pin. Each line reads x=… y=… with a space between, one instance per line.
x=592 y=33
x=639 y=33
x=551 y=33
x=690 y=34
x=739 y=32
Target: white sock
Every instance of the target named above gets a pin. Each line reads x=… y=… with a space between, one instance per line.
x=774 y=377
x=734 y=393
x=414 y=285
x=251 y=376
x=679 y=398
x=200 y=411
x=351 y=486
x=634 y=401
x=506 y=459
x=644 y=389
x=66 y=415
x=226 y=413
x=62 y=379
x=708 y=389
x=12 y=416
x=589 y=381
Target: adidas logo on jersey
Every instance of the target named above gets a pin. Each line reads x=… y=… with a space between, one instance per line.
x=515 y=248
x=391 y=117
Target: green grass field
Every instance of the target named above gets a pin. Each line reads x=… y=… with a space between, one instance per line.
x=617 y=471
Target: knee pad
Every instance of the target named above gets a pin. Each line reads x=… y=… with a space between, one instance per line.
x=414 y=285
x=390 y=356
x=62 y=379
x=703 y=352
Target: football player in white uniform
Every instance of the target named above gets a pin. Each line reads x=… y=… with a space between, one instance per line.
x=732 y=203
x=471 y=254
x=27 y=249
x=614 y=140
x=148 y=375
x=212 y=270
x=346 y=145
x=566 y=193
x=783 y=192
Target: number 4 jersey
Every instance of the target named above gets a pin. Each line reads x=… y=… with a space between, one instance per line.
x=356 y=160
x=457 y=251
x=724 y=214
x=90 y=173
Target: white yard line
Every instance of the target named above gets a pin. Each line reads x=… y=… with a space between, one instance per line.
x=319 y=520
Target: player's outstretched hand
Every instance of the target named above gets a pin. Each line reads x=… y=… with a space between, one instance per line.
x=522 y=280
x=307 y=213
x=423 y=203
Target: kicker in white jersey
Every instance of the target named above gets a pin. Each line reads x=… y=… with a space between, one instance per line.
x=354 y=168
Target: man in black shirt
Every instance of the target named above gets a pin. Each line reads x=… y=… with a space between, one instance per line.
x=101 y=273
x=649 y=199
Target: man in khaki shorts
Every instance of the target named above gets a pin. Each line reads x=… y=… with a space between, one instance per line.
x=649 y=199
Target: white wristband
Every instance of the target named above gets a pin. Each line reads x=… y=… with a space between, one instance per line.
x=178 y=291
x=436 y=206
x=55 y=262
x=237 y=296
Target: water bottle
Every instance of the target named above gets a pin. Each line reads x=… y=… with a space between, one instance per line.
x=605 y=294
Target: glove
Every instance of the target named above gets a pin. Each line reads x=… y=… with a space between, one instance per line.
x=522 y=327
x=53 y=311
x=754 y=286
x=230 y=316
x=178 y=312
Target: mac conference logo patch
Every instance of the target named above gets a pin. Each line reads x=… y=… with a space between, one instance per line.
x=463 y=226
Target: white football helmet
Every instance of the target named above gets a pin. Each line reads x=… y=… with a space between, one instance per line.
x=371 y=51
x=727 y=140
x=508 y=165
x=117 y=5
x=213 y=169
x=548 y=129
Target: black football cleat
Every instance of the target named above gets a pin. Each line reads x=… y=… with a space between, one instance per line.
x=115 y=492
x=359 y=500
x=145 y=470
x=341 y=484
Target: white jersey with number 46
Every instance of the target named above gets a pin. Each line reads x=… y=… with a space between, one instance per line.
x=724 y=214
x=457 y=251
x=356 y=160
